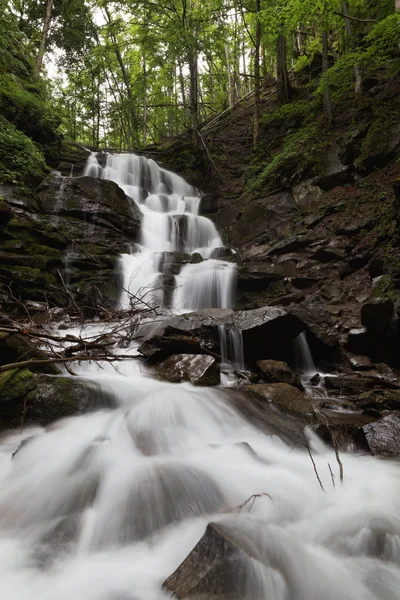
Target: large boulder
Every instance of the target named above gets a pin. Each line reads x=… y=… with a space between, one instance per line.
x=383 y=436
x=276 y=371
x=40 y=399
x=197 y=368
x=267 y=332
x=264 y=219
x=379 y=315
x=98 y=201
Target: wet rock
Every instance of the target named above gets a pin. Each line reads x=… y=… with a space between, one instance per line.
x=99 y=201
x=218 y=568
x=15 y=347
x=5 y=212
x=293 y=243
x=360 y=363
x=335 y=172
x=275 y=371
x=266 y=331
x=318 y=320
x=257 y=275
x=346 y=384
x=315 y=379
x=285 y=397
x=328 y=254
x=196 y=368
x=306 y=194
x=379 y=347
x=379 y=315
x=383 y=436
x=353 y=265
x=376 y=268
x=41 y=399
x=171 y=263
x=277 y=210
x=223 y=253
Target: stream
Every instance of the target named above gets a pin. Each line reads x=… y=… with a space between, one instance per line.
x=106 y=505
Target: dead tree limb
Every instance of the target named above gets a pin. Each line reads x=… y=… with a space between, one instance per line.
x=26 y=364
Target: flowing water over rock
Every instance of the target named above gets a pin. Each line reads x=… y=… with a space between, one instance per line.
x=112 y=504
x=171 y=223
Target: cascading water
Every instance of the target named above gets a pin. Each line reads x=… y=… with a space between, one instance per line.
x=171 y=223
x=107 y=505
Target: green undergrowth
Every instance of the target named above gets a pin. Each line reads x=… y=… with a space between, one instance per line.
x=295 y=136
x=20 y=160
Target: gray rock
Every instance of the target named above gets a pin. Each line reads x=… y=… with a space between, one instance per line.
x=98 y=201
x=379 y=315
x=197 y=368
x=383 y=436
x=292 y=243
x=276 y=371
x=306 y=194
x=360 y=363
x=218 y=568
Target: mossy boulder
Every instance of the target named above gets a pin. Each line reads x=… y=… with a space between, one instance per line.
x=285 y=397
x=15 y=348
x=41 y=399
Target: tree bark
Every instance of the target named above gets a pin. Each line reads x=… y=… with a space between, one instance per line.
x=125 y=78
x=45 y=33
x=257 y=88
x=325 y=67
x=349 y=36
x=144 y=98
x=397 y=4
x=194 y=94
x=283 y=85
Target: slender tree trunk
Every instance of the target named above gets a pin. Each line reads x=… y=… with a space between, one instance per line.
x=124 y=76
x=397 y=4
x=325 y=67
x=349 y=45
x=228 y=69
x=257 y=91
x=284 y=89
x=144 y=98
x=183 y=91
x=194 y=94
x=45 y=33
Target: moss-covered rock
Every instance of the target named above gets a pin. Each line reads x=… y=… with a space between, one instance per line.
x=14 y=347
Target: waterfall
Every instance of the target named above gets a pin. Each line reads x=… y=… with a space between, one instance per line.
x=171 y=223
x=107 y=505
x=231 y=348
x=302 y=354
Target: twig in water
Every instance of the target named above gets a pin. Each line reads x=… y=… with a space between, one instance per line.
x=314 y=465
x=252 y=499
x=332 y=476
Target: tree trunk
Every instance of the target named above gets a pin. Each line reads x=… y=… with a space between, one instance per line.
x=284 y=89
x=228 y=68
x=144 y=98
x=45 y=33
x=194 y=104
x=397 y=4
x=125 y=78
x=325 y=67
x=349 y=37
x=257 y=90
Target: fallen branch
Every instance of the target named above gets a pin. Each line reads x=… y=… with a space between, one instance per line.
x=26 y=364
x=314 y=465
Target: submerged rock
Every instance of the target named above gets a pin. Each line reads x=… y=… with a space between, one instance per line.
x=197 y=368
x=285 y=397
x=218 y=568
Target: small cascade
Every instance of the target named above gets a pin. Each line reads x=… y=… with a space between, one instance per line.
x=231 y=349
x=302 y=355
x=171 y=223
x=68 y=259
x=59 y=197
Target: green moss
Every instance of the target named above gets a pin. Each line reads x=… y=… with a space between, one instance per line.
x=20 y=160
x=15 y=384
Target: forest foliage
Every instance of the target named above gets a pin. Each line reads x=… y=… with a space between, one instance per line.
x=126 y=74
